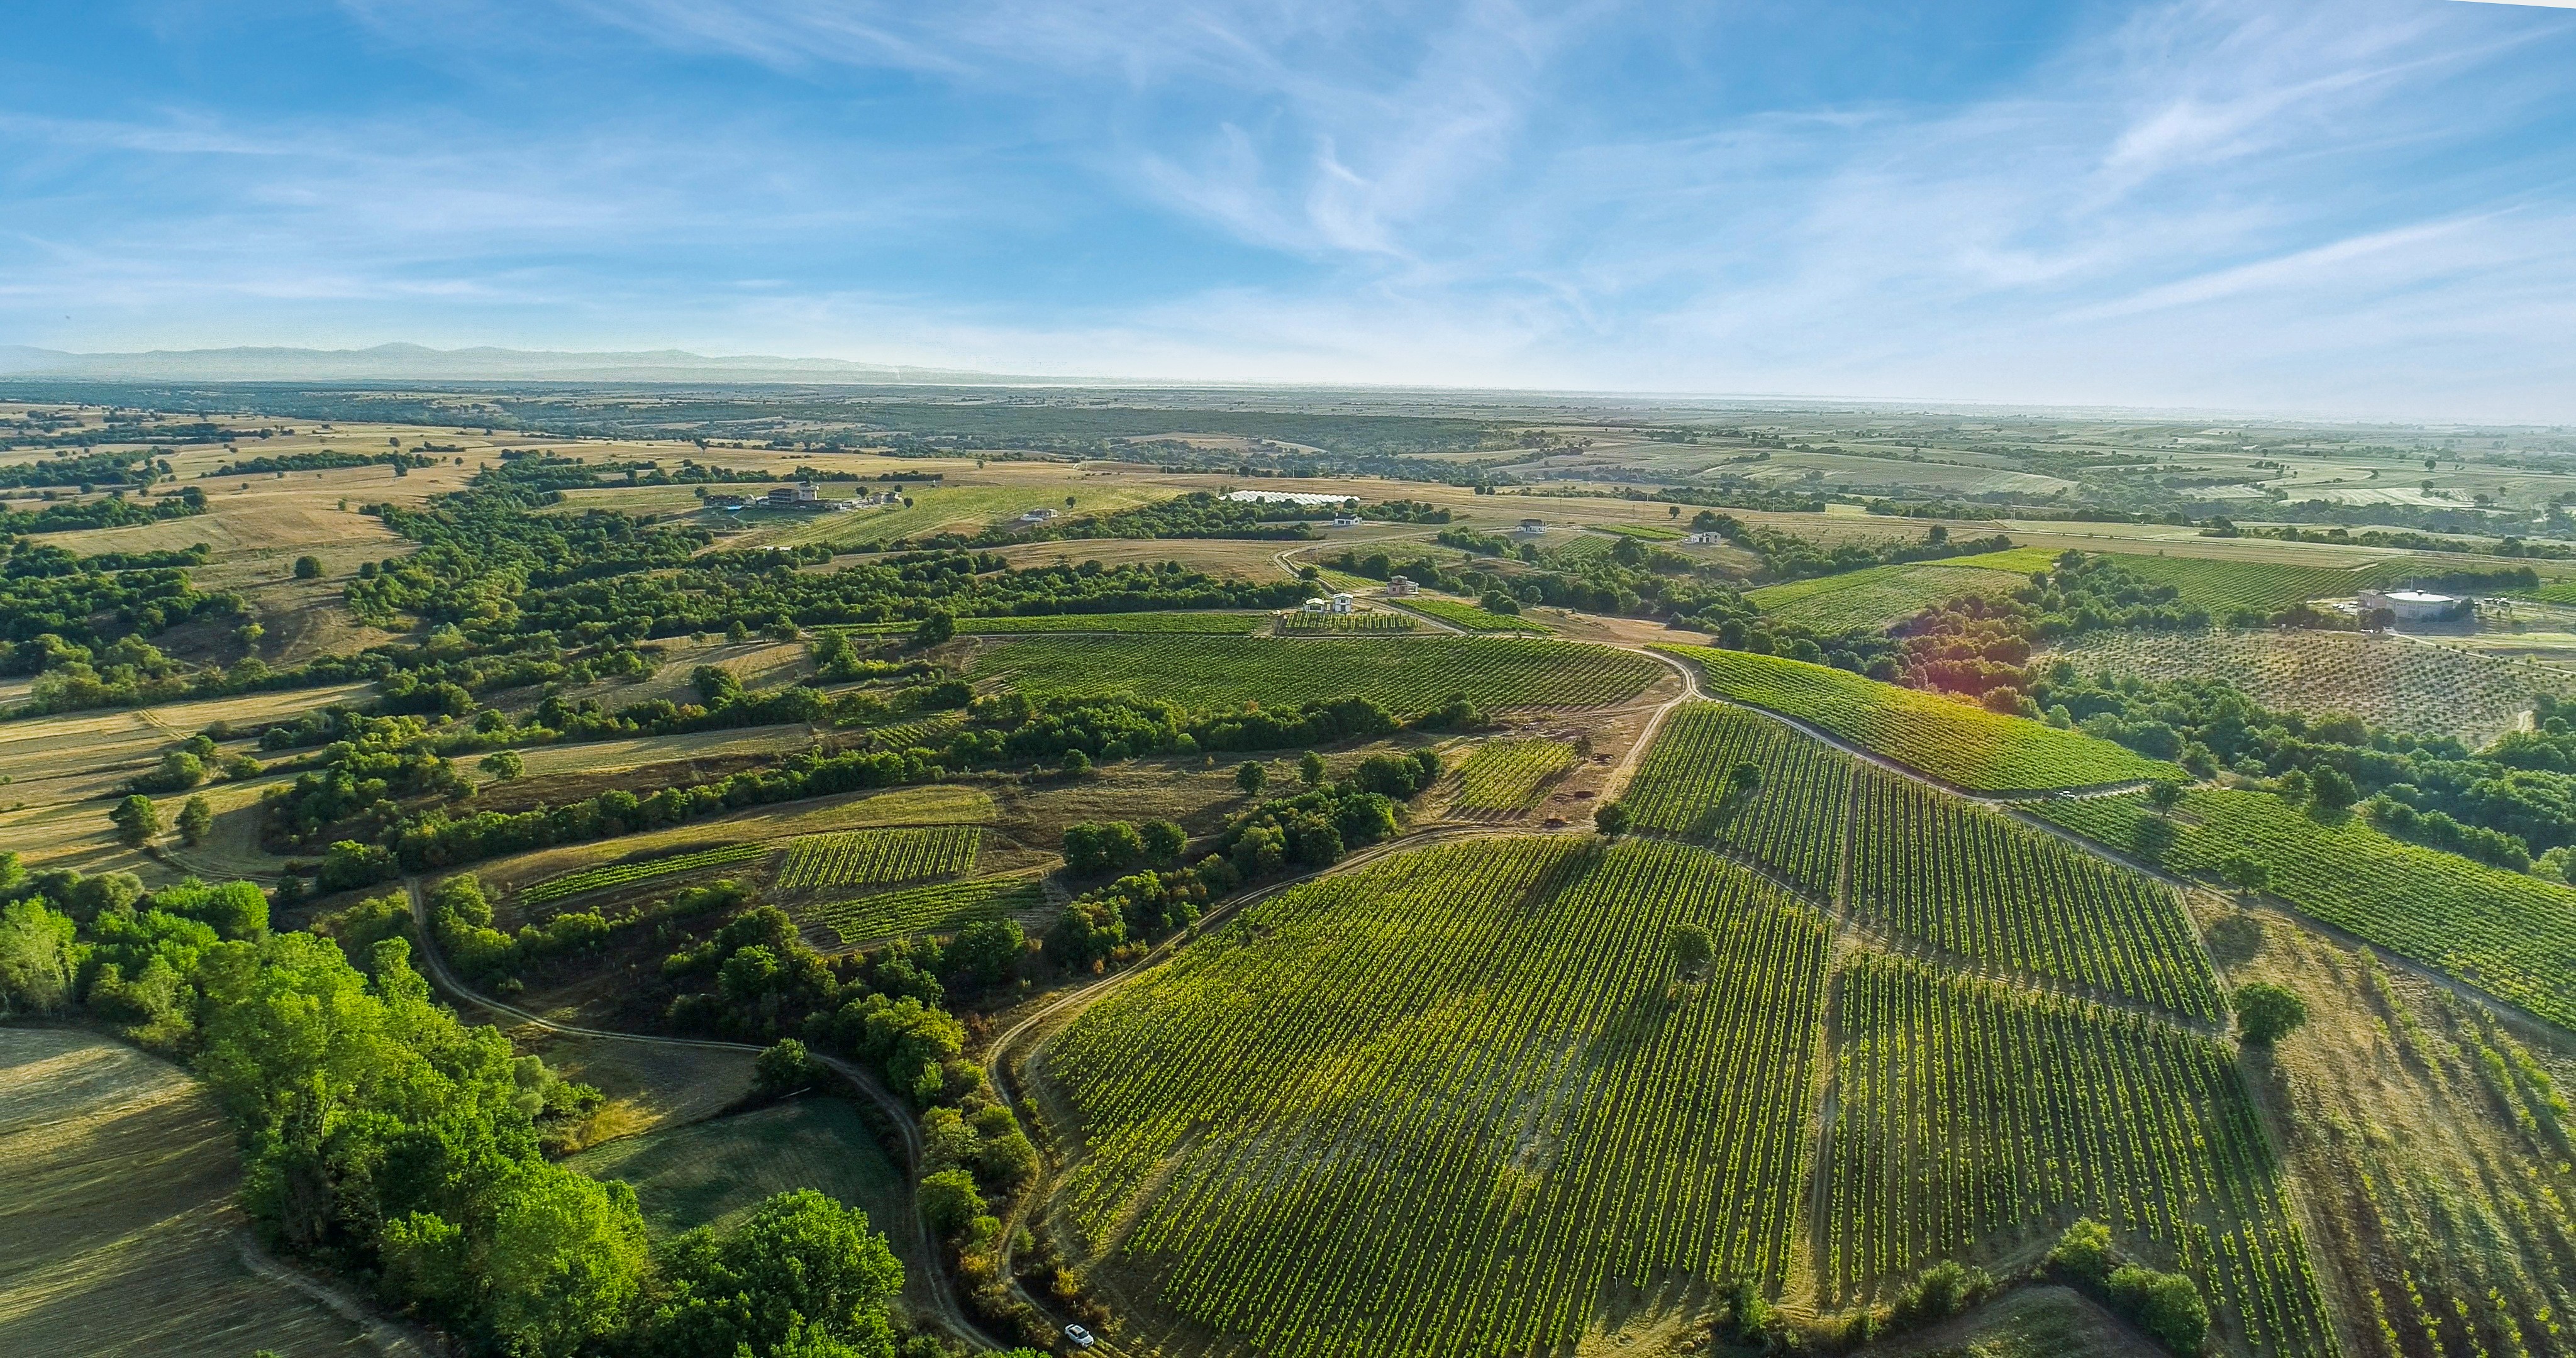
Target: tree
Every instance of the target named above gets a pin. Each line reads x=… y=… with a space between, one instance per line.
x=783 y=1069
x=1250 y=777
x=136 y=820
x=567 y=1259
x=1163 y=840
x=1691 y=948
x=35 y=958
x=2331 y=788
x=1496 y=601
x=1075 y=763
x=2266 y=1013
x=2084 y=1251
x=801 y=1277
x=985 y=951
x=1311 y=769
x=938 y=627
x=504 y=764
x=950 y=1201
x=1672 y=511
x=2166 y=1305
x=1091 y=849
x=196 y=819
x=1611 y=819
x=2164 y=795
x=308 y=568
x=1744 y=780
x=2245 y=872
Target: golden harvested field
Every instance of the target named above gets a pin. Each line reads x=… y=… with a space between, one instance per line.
x=118 y=1238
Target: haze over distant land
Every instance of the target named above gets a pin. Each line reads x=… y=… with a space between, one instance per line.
x=2363 y=210
x=412 y=362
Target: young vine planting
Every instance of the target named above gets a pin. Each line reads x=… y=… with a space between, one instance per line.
x=1455 y=1102
x=1972 y=1115
x=1511 y=775
x=1792 y=824
x=869 y=857
x=939 y=908
x=1972 y=882
x=619 y=874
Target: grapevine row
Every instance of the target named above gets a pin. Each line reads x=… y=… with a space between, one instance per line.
x=1510 y=775
x=619 y=874
x=939 y=908
x=867 y=857
x=1792 y=825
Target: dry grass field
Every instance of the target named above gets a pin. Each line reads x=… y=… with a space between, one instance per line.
x=118 y=1238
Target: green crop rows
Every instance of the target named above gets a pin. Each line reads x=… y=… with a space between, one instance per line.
x=1876 y=596
x=870 y=857
x=1472 y=618
x=942 y=907
x=619 y=874
x=2510 y=935
x=1793 y=826
x=1978 y=885
x=1299 y=620
x=1451 y=1103
x=1509 y=775
x=927 y=733
x=1405 y=674
x=1959 y=743
x=1967 y=1110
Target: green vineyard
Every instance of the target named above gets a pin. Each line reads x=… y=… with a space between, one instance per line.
x=1404 y=674
x=1299 y=622
x=1792 y=826
x=1970 y=1114
x=2510 y=935
x=1511 y=775
x=1455 y=1102
x=1942 y=870
x=1956 y=742
x=940 y=908
x=619 y=874
x=872 y=857
x=1876 y=596
x=1202 y=624
x=1472 y=618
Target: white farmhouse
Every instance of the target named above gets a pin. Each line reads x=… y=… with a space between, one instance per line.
x=2412 y=605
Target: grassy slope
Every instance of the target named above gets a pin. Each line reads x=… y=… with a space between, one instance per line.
x=116 y=1225
x=2509 y=934
x=1877 y=595
x=1956 y=742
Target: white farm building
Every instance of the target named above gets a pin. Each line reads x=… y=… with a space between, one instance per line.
x=2412 y=605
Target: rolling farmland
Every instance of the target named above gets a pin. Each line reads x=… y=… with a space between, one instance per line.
x=2511 y=935
x=1793 y=826
x=1877 y=596
x=940 y=908
x=1471 y=617
x=1511 y=775
x=872 y=857
x=1971 y=1113
x=1402 y=1110
x=1958 y=743
x=1940 y=869
x=1407 y=674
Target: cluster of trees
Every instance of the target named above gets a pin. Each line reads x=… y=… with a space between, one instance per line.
x=2167 y=1306
x=2512 y=804
x=84 y=470
x=110 y=511
x=325 y=459
x=1980 y=646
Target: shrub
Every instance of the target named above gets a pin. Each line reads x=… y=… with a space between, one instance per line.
x=2165 y=1305
x=2084 y=1251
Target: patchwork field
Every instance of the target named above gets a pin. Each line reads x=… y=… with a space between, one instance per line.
x=117 y=1232
x=1403 y=674
x=2426 y=688
x=1958 y=743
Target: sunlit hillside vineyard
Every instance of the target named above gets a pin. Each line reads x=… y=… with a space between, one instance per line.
x=1972 y=882
x=1878 y=595
x=1454 y=1102
x=1510 y=775
x=622 y=874
x=2388 y=681
x=2507 y=933
x=1404 y=674
x=1971 y=1114
x=939 y=908
x=1956 y=742
x=869 y=857
x=1792 y=826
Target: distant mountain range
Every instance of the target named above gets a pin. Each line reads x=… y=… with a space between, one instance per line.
x=413 y=362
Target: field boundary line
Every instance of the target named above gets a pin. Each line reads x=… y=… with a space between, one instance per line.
x=907 y=1128
x=389 y=1337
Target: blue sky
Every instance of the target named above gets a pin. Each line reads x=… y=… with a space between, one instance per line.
x=2365 y=207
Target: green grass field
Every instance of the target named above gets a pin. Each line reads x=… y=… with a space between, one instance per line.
x=1511 y=775
x=1471 y=617
x=940 y=908
x=1877 y=596
x=1396 y=1111
x=1958 y=743
x=1406 y=674
x=2511 y=935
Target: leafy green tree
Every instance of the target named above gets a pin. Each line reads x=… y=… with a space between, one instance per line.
x=1611 y=819
x=936 y=628
x=1691 y=948
x=2166 y=1305
x=2084 y=1250
x=2164 y=794
x=308 y=568
x=2266 y=1013
x=136 y=820
x=1075 y=763
x=801 y=1275
x=985 y=951
x=1250 y=777
x=950 y=1201
x=784 y=1068
x=504 y=764
x=1106 y=846
x=566 y=1262
x=1311 y=769
x=1163 y=840
x=35 y=958
x=2331 y=788
x=2245 y=872
x=196 y=820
